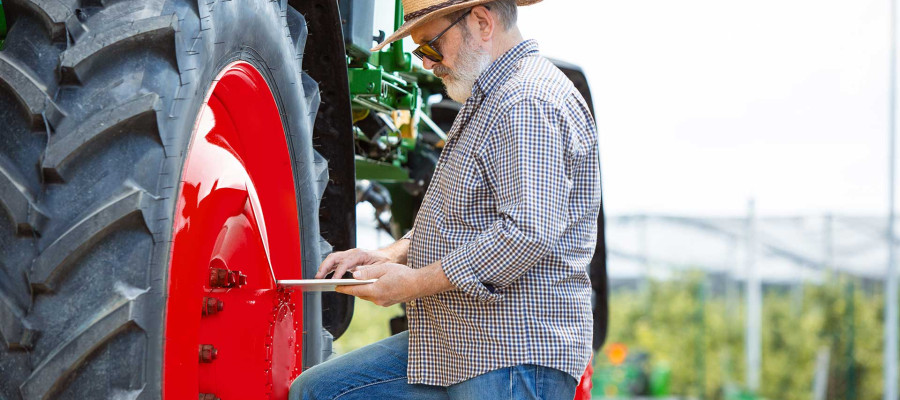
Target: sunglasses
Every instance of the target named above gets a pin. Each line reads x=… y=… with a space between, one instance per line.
x=428 y=50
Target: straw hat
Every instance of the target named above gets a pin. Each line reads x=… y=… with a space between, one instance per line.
x=417 y=12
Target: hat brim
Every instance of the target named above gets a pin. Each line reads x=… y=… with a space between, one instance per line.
x=409 y=25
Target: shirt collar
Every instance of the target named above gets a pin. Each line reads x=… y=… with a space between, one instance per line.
x=500 y=70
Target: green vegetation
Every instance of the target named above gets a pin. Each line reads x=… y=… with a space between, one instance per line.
x=370 y=324
x=698 y=331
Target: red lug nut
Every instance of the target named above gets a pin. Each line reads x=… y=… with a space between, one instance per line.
x=212 y=305
x=208 y=396
x=218 y=277
x=208 y=353
x=239 y=278
x=223 y=278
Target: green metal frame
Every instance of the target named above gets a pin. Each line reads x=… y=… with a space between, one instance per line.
x=380 y=171
x=387 y=81
x=2 y=25
x=371 y=87
x=375 y=83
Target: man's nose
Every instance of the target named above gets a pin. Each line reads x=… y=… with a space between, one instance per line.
x=427 y=63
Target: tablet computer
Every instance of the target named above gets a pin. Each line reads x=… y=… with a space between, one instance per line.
x=322 y=285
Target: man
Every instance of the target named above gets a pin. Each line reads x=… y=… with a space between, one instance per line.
x=494 y=269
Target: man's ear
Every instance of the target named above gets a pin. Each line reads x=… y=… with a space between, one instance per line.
x=485 y=21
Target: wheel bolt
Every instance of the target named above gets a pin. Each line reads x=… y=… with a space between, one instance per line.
x=208 y=396
x=212 y=305
x=223 y=278
x=208 y=353
x=218 y=277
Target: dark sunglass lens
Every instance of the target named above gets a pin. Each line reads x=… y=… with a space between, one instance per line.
x=431 y=53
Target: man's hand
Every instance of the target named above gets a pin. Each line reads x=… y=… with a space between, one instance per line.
x=343 y=261
x=397 y=283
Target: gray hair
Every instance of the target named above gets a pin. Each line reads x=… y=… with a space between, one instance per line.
x=504 y=10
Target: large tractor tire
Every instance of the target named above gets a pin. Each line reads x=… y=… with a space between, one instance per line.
x=157 y=175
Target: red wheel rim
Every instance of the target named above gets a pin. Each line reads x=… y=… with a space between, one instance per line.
x=229 y=331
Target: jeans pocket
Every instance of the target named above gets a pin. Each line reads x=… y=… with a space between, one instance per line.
x=553 y=384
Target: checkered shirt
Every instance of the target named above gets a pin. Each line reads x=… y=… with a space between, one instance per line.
x=511 y=213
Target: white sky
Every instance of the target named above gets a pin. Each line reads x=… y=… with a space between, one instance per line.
x=702 y=104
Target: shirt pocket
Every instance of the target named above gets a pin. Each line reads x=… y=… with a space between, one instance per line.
x=465 y=189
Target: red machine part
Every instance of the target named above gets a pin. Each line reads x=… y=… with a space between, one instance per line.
x=229 y=332
x=583 y=391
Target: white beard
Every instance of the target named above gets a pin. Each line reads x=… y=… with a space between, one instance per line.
x=471 y=62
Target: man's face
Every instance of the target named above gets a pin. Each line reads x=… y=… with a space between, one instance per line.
x=449 y=44
x=464 y=60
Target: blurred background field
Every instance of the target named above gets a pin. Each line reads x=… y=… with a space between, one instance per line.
x=694 y=330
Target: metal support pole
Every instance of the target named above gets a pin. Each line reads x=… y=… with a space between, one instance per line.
x=400 y=61
x=890 y=282
x=644 y=248
x=702 y=290
x=753 y=339
x=732 y=306
x=828 y=234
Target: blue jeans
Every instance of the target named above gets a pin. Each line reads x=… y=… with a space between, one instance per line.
x=378 y=371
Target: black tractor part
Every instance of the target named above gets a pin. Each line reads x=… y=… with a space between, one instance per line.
x=325 y=61
x=597 y=269
x=129 y=77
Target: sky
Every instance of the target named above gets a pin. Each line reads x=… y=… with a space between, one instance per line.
x=702 y=105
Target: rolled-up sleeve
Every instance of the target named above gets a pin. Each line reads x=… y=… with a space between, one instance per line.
x=524 y=161
x=408 y=235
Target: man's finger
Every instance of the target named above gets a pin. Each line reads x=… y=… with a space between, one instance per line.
x=327 y=265
x=334 y=261
x=362 y=291
x=343 y=290
x=324 y=267
x=373 y=271
x=349 y=263
x=340 y=269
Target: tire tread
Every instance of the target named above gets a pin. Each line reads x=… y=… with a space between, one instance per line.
x=52 y=13
x=48 y=268
x=30 y=92
x=107 y=122
x=16 y=334
x=19 y=201
x=53 y=370
x=77 y=61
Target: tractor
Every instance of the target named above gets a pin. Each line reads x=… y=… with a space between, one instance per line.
x=164 y=162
